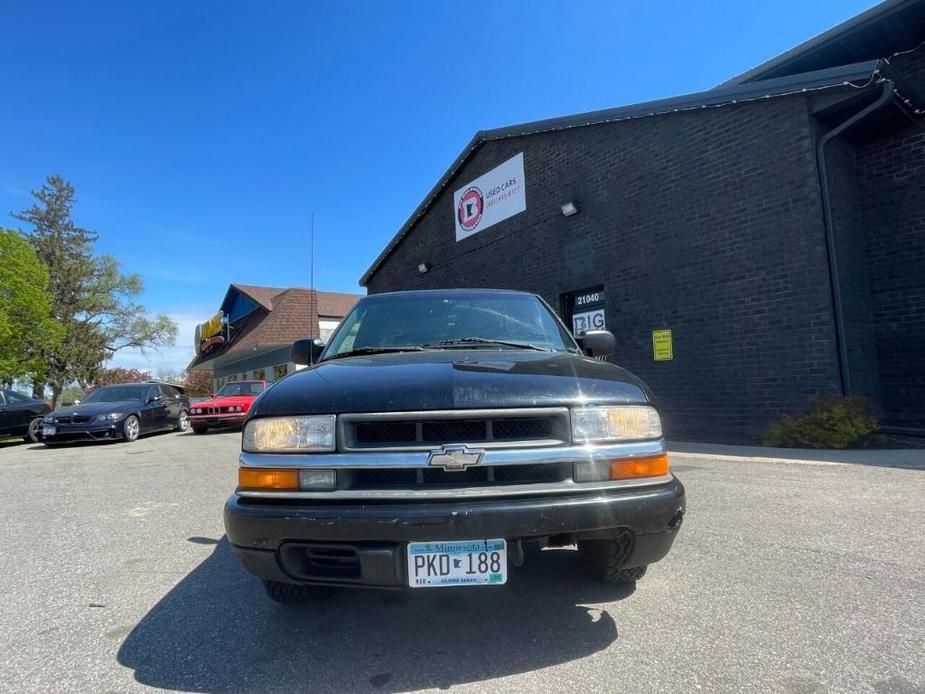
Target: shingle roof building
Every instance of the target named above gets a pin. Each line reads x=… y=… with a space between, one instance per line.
x=258 y=326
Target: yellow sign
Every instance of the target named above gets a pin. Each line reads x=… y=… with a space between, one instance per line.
x=661 y=345
x=212 y=327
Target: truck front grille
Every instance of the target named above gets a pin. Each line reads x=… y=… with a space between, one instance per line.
x=478 y=476
x=407 y=431
x=379 y=433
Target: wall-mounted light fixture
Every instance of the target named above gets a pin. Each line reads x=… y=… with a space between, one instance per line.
x=423 y=267
x=569 y=208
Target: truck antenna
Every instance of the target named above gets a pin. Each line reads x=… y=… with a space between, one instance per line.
x=313 y=306
x=311 y=261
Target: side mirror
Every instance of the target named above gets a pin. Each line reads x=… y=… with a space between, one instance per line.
x=154 y=398
x=598 y=343
x=306 y=351
x=212 y=395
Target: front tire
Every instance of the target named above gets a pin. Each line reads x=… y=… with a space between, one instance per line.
x=34 y=432
x=183 y=421
x=131 y=428
x=288 y=593
x=199 y=429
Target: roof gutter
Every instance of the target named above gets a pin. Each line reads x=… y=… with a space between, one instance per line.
x=844 y=368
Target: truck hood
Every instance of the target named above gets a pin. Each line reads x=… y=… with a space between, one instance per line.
x=450 y=379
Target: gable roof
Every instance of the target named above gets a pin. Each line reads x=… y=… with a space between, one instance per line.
x=262 y=295
x=858 y=75
x=291 y=318
x=289 y=315
x=883 y=30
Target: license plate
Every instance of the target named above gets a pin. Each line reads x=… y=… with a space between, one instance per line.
x=462 y=563
x=48 y=430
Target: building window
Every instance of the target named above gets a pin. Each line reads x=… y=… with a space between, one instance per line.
x=260 y=374
x=280 y=371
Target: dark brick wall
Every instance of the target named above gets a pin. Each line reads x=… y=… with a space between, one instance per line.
x=850 y=231
x=892 y=192
x=707 y=223
x=877 y=204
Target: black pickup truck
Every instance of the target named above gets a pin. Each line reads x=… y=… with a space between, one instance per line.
x=435 y=435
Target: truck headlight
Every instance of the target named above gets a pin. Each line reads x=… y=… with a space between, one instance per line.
x=290 y=434
x=617 y=423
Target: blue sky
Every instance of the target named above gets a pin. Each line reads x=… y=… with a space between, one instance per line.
x=201 y=135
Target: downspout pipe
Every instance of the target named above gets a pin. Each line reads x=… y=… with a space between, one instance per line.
x=841 y=340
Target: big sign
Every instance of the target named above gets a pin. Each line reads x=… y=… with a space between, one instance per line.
x=210 y=328
x=491 y=198
x=590 y=320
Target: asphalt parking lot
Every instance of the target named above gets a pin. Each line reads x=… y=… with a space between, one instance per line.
x=786 y=578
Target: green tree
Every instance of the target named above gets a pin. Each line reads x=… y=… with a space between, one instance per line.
x=27 y=331
x=92 y=300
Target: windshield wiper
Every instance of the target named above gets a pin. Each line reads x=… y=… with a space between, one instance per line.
x=467 y=341
x=374 y=350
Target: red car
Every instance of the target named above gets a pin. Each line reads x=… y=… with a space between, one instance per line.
x=227 y=408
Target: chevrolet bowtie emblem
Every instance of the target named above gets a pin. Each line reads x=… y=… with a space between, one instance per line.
x=455 y=458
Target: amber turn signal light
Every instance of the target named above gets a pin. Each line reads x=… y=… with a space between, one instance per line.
x=651 y=466
x=267 y=478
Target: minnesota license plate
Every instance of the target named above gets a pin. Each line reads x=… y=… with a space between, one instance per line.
x=458 y=563
x=48 y=430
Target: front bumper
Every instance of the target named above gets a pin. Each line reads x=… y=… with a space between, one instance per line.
x=277 y=541
x=90 y=431
x=218 y=420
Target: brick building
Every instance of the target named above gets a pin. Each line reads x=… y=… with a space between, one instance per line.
x=775 y=224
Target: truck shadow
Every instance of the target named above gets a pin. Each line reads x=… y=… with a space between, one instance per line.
x=217 y=632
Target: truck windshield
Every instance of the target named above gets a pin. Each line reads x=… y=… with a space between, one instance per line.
x=471 y=321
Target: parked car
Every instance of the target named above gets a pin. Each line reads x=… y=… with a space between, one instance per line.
x=125 y=411
x=21 y=415
x=435 y=435
x=227 y=408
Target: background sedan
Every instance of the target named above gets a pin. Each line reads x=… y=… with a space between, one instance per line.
x=115 y=412
x=21 y=415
